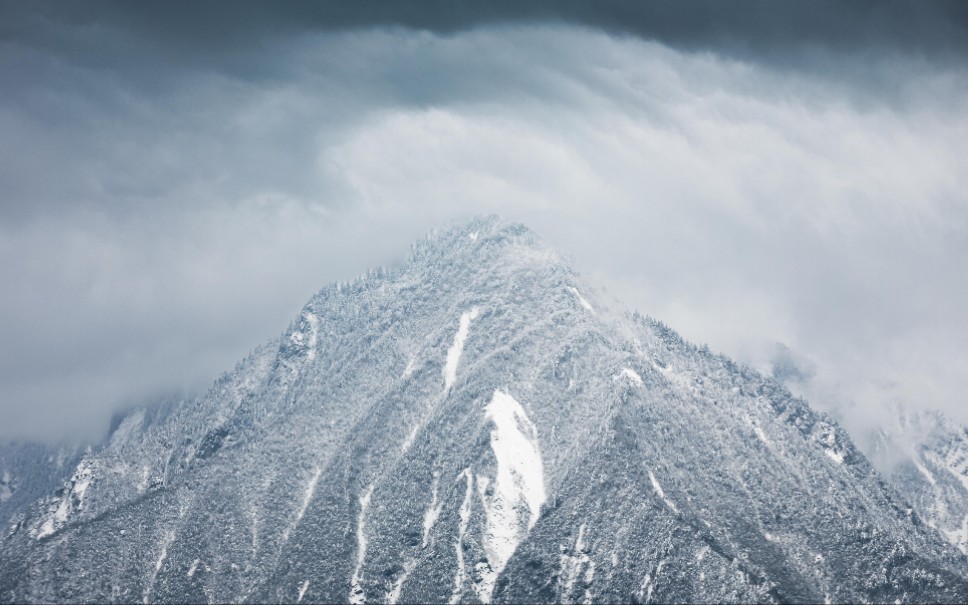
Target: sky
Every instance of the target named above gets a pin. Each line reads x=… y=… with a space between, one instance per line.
x=781 y=181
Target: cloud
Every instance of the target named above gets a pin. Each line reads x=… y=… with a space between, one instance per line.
x=162 y=216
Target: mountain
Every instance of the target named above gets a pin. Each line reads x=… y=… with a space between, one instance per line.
x=929 y=465
x=28 y=472
x=478 y=425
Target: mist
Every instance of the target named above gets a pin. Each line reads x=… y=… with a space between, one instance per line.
x=166 y=207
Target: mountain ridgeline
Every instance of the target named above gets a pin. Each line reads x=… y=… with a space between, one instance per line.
x=477 y=425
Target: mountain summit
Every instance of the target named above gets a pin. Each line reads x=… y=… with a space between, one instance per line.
x=476 y=425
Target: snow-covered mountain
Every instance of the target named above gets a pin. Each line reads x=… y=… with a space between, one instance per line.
x=477 y=425
x=927 y=459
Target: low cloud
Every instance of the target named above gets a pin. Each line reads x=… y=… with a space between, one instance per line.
x=155 y=231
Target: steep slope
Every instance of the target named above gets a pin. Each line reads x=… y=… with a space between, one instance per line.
x=477 y=425
x=929 y=466
x=29 y=471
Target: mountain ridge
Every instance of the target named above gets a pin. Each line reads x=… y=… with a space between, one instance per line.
x=373 y=452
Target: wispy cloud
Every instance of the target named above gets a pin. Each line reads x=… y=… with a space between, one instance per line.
x=166 y=208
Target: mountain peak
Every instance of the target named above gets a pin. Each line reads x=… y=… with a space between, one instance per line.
x=470 y=426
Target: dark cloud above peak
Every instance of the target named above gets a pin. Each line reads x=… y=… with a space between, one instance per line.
x=752 y=28
x=176 y=179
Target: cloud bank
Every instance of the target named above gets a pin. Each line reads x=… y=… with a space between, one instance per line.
x=169 y=201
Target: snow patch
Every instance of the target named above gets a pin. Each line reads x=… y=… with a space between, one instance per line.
x=465 y=516
x=408 y=442
x=308 y=343
x=165 y=543
x=357 y=596
x=143 y=484
x=761 y=436
x=456 y=349
x=72 y=500
x=307 y=498
x=648 y=584
x=827 y=437
x=631 y=375
x=661 y=493
x=302 y=591
x=473 y=236
x=924 y=471
x=572 y=564
x=959 y=537
x=193 y=568
x=513 y=504
x=394 y=595
x=955 y=462
x=411 y=366
x=313 y=336
x=432 y=514
x=581 y=299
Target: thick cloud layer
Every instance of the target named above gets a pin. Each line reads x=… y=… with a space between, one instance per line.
x=171 y=192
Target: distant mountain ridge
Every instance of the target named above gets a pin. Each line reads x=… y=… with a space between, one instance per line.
x=929 y=466
x=477 y=425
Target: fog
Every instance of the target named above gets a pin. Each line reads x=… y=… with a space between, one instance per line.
x=168 y=202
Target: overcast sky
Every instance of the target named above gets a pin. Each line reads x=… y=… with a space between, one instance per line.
x=175 y=185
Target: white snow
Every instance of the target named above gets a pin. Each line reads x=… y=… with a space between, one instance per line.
x=631 y=375
x=761 y=436
x=60 y=509
x=194 y=567
x=411 y=366
x=46 y=529
x=410 y=437
x=165 y=543
x=82 y=479
x=827 y=437
x=302 y=590
x=589 y=578
x=473 y=236
x=307 y=498
x=357 y=596
x=661 y=493
x=581 y=299
x=456 y=349
x=465 y=516
x=161 y=557
x=571 y=567
x=394 y=595
x=513 y=505
x=959 y=537
x=955 y=462
x=143 y=484
x=433 y=512
x=313 y=336
x=648 y=583
x=924 y=471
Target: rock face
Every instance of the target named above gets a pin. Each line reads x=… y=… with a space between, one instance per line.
x=477 y=425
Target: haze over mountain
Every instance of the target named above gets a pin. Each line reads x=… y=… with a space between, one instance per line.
x=475 y=425
x=175 y=184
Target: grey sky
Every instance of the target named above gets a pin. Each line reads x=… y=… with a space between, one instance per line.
x=173 y=187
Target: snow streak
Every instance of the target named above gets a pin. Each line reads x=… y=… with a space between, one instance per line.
x=456 y=349
x=357 y=596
